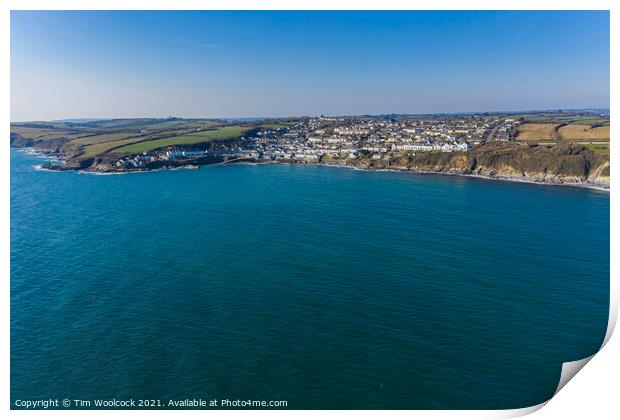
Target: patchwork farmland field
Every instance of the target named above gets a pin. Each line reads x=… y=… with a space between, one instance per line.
x=223 y=133
x=180 y=125
x=537 y=132
x=103 y=138
x=101 y=148
x=44 y=133
x=79 y=140
x=576 y=132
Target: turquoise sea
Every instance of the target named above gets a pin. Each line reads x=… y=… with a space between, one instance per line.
x=324 y=287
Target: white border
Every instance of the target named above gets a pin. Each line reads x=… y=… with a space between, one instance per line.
x=597 y=384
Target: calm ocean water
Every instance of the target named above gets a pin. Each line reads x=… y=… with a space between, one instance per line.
x=325 y=287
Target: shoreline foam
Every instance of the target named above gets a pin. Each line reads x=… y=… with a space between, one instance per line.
x=191 y=166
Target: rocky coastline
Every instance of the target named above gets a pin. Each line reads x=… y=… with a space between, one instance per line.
x=560 y=164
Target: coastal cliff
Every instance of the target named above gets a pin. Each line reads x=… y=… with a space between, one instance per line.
x=565 y=163
x=557 y=164
x=49 y=145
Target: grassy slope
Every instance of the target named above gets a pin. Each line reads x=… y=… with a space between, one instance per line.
x=102 y=138
x=536 y=132
x=272 y=126
x=101 y=148
x=591 y=121
x=577 y=130
x=43 y=133
x=584 y=132
x=192 y=138
x=182 y=124
x=599 y=149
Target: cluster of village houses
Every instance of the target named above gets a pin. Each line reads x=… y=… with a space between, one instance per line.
x=335 y=137
x=314 y=138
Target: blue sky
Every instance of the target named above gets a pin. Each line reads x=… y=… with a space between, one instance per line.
x=242 y=64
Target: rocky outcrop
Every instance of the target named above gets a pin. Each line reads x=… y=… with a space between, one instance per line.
x=18 y=140
x=49 y=145
x=109 y=164
x=561 y=163
x=600 y=175
x=54 y=145
x=558 y=164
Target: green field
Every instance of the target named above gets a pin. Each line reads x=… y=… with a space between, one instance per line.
x=42 y=133
x=102 y=138
x=537 y=132
x=590 y=121
x=277 y=126
x=599 y=149
x=101 y=148
x=576 y=131
x=223 y=133
x=562 y=118
x=176 y=125
x=93 y=138
x=584 y=132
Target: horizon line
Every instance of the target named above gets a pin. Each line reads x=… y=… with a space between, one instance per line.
x=86 y=119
